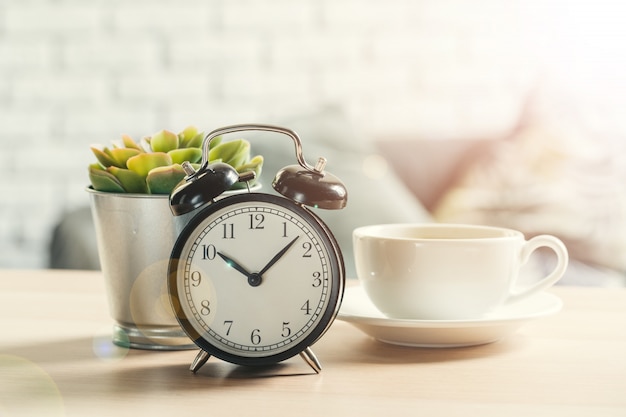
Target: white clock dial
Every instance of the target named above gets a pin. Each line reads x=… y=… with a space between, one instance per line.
x=257 y=277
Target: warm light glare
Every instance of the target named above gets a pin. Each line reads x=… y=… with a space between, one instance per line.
x=375 y=166
x=582 y=41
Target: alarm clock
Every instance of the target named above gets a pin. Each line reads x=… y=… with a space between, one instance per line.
x=256 y=278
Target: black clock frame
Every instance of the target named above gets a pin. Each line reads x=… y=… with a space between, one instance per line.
x=337 y=269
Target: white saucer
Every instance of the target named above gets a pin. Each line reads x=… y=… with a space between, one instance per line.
x=358 y=310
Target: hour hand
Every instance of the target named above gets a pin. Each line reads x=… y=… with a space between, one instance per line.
x=233 y=264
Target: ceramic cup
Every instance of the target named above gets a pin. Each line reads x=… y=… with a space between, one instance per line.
x=447 y=271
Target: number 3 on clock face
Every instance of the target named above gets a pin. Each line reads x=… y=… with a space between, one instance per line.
x=255 y=279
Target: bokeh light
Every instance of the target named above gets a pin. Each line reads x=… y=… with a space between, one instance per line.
x=27 y=389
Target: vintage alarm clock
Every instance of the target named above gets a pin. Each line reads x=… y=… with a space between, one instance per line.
x=256 y=278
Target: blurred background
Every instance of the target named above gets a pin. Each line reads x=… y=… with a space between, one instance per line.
x=80 y=72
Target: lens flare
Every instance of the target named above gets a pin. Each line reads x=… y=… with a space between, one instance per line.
x=106 y=350
x=27 y=389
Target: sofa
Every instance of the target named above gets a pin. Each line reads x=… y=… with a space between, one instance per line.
x=527 y=179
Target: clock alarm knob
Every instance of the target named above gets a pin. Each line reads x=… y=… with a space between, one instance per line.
x=202 y=186
x=314 y=188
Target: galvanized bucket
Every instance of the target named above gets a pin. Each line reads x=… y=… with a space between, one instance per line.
x=136 y=234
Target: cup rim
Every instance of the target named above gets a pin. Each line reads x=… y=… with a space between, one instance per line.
x=377 y=231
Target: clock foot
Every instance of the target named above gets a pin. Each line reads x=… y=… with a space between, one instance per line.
x=200 y=360
x=309 y=357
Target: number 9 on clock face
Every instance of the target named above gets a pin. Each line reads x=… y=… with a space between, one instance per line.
x=255 y=279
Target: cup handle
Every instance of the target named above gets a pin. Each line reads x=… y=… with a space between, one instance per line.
x=559 y=270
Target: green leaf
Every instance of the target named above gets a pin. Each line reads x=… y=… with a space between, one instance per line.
x=164 y=141
x=130 y=180
x=162 y=180
x=179 y=156
x=215 y=141
x=102 y=180
x=105 y=159
x=190 y=137
x=143 y=163
x=234 y=153
x=130 y=143
x=196 y=141
x=122 y=155
x=187 y=134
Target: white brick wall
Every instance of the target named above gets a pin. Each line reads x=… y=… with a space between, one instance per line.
x=77 y=72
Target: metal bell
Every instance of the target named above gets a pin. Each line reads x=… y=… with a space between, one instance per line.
x=202 y=186
x=314 y=188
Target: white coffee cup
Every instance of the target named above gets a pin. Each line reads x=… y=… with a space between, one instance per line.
x=447 y=271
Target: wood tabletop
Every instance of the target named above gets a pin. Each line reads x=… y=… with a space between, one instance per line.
x=56 y=359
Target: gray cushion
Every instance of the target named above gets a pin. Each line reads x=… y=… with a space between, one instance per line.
x=73 y=244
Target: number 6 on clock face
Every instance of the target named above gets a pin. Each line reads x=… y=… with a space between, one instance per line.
x=255 y=279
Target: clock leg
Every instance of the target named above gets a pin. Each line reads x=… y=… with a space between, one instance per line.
x=200 y=360
x=309 y=357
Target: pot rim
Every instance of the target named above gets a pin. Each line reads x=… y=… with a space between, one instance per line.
x=257 y=186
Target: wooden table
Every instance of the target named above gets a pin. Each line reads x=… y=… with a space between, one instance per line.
x=56 y=359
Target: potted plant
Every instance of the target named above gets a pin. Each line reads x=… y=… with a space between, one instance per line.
x=136 y=231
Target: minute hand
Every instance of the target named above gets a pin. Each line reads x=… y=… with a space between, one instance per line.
x=277 y=256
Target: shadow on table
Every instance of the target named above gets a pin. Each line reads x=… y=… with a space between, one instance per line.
x=86 y=366
x=111 y=367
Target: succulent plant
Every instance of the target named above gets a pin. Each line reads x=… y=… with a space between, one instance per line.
x=153 y=165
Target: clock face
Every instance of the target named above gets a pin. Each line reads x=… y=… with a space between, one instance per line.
x=255 y=278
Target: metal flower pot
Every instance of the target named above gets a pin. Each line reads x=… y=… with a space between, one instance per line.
x=135 y=235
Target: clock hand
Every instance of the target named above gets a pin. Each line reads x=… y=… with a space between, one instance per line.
x=277 y=256
x=231 y=262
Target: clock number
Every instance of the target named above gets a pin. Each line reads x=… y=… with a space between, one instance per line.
x=317 y=279
x=286 y=330
x=256 y=221
x=205 y=310
x=307 y=246
x=196 y=278
x=284 y=229
x=255 y=337
x=229 y=325
x=306 y=308
x=229 y=231
x=208 y=252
